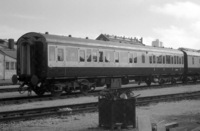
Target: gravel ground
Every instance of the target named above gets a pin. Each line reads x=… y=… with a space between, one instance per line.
x=150 y=92
x=186 y=113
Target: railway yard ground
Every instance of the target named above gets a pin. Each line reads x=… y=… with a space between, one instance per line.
x=5 y=82
x=186 y=113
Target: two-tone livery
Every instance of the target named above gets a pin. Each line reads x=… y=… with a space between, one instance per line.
x=55 y=63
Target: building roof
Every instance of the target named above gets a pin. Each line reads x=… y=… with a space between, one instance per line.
x=4 y=48
x=10 y=53
x=113 y=38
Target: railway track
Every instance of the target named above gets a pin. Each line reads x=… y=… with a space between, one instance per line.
x=86 y=107
x=26 y=99
x=16 y=89
x=4 y=90
x=136 y=87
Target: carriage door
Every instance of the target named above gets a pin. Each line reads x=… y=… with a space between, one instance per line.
x=25 y=58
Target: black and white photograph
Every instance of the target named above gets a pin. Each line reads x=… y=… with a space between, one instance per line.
x=100 y=65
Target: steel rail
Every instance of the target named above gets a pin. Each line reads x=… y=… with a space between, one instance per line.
x=4 y=90
x=16 y=89
x=86 y=107
x=28 y=99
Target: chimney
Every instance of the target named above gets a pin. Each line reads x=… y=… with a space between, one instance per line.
x=11 y=43
x=141 y=40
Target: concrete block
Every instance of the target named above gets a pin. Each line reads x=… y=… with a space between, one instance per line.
x=161 y=127
x=171 y=125
x=144 y=123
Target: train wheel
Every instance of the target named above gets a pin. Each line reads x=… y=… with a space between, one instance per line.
x=185 y=80
x=173 y=81
x=194 y=79
x=39 y=91
x=84 y=86
x=148 y=82
x=68 y=91
x=108 y=86
x=56 y=90
x=161 y=82
x=21 y=88
x=84 y=89
x=92 y=88
x=56 y=93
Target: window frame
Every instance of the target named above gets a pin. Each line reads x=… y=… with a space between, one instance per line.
x=116 y=53
x=84 y=55
x=62 y=58
x=89 y=57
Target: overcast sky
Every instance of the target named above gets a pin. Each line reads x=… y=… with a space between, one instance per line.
x=174 y=22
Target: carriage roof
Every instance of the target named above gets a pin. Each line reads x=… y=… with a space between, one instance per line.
x=58 y=39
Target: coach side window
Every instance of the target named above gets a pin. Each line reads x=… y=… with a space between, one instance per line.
x=143 y=58
x=150 y=59
x=163 y=59
x=193 y=60
x=154 y=59
x=100 y=56
x=174 y=59
x=60 y=54
x=130 y=57
x=107 y=56
x=94 y=54
x=82 y=55
x=89 y=55
x=116 y=57
x=52 y=53
x=159 y=59
x=179 y=60
x=135 y=57
x=167 y=59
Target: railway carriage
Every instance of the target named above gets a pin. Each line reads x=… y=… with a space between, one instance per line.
x=192 y=64
x=55 y=63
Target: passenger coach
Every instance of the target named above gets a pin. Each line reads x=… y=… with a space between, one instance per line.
x=191 y=65
x=55 y=63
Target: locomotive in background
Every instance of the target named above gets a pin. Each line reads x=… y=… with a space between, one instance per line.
x=52 y=63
